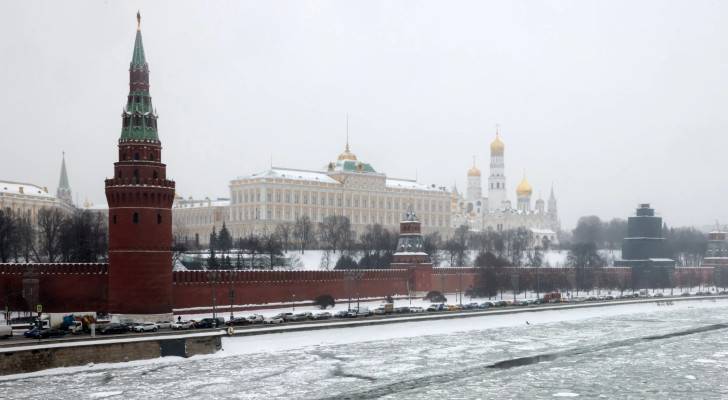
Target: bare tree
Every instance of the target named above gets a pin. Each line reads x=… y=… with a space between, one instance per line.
x=283 y=232
x=7 y=233
x=50 y=227
x=25 y=239
x=272 y=246
x=303 y=232
x=335 y=233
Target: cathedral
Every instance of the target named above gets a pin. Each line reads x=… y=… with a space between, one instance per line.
x=496 y=211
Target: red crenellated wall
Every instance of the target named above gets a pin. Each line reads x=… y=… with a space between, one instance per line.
x=76 y=287
x=62 y=287
x=195 y=288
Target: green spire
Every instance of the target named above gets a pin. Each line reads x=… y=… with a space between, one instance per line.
x=139 y=119
x=138 y=60
x=64 y=188
x=63 y=183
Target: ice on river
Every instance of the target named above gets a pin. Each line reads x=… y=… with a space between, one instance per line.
x=624 y=351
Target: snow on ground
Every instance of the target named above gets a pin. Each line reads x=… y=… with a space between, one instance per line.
x=314 y=260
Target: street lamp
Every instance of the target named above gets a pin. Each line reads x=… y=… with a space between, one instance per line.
x=213 y=277
x=232 y=300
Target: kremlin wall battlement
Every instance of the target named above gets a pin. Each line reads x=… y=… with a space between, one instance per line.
x=195 y=288
x=75 y=287
x=58 y=287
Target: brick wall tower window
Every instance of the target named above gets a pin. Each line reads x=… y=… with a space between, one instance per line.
x=135 y=218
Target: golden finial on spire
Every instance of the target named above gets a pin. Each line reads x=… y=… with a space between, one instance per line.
x=139 y=21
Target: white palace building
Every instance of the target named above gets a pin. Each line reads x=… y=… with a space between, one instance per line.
x=349 y=187
x=346 y=187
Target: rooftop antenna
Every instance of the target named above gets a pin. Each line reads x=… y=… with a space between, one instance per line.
x=347 y=131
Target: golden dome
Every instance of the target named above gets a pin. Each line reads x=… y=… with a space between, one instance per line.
x=497 y=146
x=473 y=171
x=347 y=154
x=524 y=188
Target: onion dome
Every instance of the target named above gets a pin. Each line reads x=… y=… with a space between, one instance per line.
x=347 y=154
x=473 y=171
x=524 y=188
x=497 y=146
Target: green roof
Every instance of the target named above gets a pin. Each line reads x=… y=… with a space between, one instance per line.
x=355 y=166
x=138 y=59
x=139 y=115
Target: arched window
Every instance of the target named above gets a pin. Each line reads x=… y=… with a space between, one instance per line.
x=136 y=176
x=159 y=218
x=114 y=218
x=135 y=218
x=136 y=156
x=155 y=174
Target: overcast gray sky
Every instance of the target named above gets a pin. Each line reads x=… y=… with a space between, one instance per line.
x=615 y=102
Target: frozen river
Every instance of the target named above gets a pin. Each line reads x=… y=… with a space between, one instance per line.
x=631 y=351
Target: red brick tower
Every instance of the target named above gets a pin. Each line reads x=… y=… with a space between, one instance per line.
x=140 y=205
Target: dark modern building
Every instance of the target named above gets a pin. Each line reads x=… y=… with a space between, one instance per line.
x=645 y=249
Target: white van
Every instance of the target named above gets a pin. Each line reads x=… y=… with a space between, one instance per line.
x=6 y=331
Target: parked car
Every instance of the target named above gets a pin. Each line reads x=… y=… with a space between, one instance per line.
x=298 y=317
x=129 y=325
x=164 y=324
x=273 y=320
x=364 y=312
x=146 y=327
x=210 y=323
x=110 y=328
x=402 y=310
x=341 y=314
x=6 y=331
x=453 y=307
x=685 y=294
x=44 y=333
x=307 y=314
x=484 y=305
x=256 y=319
x=416 y=309
x=380 y=310
x=183 y=325
x=288 y=316
x=351 y=314
x=322 y=315
x=659 y=295
x=240 y=321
